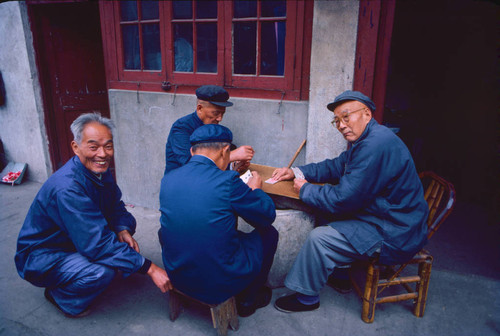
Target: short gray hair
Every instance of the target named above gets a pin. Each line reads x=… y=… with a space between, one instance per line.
x=210 y=145
x=79 y=124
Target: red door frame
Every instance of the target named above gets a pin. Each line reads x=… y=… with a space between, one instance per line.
x=373 y=48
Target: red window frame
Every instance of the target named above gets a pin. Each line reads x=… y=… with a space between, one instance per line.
x=293 y=85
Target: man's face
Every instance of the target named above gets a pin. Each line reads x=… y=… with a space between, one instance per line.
x=96 y=148
x=351 y=119
x=210 y=113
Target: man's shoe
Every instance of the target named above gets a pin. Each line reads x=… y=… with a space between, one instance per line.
x=290 y=304
x=340 y=285
x=263 y=299
x=50 y=298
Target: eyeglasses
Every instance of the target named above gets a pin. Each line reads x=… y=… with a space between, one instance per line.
x=345 y=118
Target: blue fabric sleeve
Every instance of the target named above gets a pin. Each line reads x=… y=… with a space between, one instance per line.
x=254 y=206
x=180 y=145
x=327 y=171
x=89 y=231
x=358 y=186
x=120 y=219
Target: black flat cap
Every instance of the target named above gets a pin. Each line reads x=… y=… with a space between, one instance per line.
x=213 y=94
x=211 y=133
x=351 y=95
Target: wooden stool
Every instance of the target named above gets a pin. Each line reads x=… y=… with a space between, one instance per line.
x=223 y=314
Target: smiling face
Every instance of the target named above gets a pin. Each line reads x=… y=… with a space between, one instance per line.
x=352 y=117
x=210 y=113
x=96 y=148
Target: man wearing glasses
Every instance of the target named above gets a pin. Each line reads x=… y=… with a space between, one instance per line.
x=372 y=202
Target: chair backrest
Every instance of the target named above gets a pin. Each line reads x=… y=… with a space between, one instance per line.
x=440 y=196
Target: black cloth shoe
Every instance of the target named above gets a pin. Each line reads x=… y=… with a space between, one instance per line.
x=290 y=304
x=263 y=299
x=50 y=298
x=340 y=285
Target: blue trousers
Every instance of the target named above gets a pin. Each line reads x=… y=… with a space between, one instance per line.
x=324 y=250
x=269 y=237
x=75 y=282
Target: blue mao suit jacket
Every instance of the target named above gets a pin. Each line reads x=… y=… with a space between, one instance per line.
x=375 y=192
x=203 y=253
x=75 y=211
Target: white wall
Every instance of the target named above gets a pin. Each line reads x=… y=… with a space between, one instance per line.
x=21 y=119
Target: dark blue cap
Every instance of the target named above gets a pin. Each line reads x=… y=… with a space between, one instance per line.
x=213 y=94
x=211 y=133
x=351 y=95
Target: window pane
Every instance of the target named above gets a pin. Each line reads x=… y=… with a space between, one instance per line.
x=183 y=47
x=273 y=48
x=182 y=9
x=131 y=53
x=151 y=45
x=149 y=10
x=244 y=48
x=206 y=9
x=273 y=8
x=128 y=10
x=243 y=8
x=206 y=49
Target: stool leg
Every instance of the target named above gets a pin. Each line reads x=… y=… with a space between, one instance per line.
x=370 y=294
x=174 y=304
x=424 y=271
x=225 y=315
x=234 y=323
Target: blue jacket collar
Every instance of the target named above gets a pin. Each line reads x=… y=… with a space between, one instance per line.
x=203 y=159
x=365 y=133
x=105 y=177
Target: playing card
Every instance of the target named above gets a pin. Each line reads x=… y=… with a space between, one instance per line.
x=271 y=181
x=246 y=176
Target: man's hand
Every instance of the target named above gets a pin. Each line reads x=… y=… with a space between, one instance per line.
x=125 y=237
x=282 y=174
x=297 y=184
x=242 y=153
x=255 y=182
x=241 y=166
x=160 y=278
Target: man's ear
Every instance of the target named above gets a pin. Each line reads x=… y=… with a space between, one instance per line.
x=191 y=151
x=74 y=147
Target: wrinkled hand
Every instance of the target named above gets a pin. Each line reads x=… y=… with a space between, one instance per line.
x=255 y=182
x=125 y=237
x=282 y=174
x=297 y=184
x=160 y=278
x=241 y=166
x=242 y=153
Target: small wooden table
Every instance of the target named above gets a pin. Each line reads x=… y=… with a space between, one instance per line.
x=282 y=188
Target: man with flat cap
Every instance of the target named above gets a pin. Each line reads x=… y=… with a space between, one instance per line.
x=203 y=253
x=211 y=104
x=372 y=201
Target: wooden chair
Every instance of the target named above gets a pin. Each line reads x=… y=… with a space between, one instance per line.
x=224 y=314
x=440 y=196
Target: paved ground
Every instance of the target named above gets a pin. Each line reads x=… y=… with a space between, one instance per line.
x=464 y=293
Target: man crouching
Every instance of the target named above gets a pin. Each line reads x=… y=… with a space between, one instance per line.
x=77 y=233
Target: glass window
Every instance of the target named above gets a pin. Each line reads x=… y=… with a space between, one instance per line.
x=272 y=60
x=244 y=48
x=206 y=9
x=273 y=8
x=149 y=10
x=151 y=42
x=206 y=50
x=131 y=55
x=245 y=9
x=183 y=47
x=182 y=9
x=128 y=10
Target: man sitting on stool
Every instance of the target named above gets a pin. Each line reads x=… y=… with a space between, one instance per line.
x=203 y=253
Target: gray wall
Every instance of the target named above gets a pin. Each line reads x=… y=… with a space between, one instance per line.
x=143 y=125
x=332 y=72
x=21 y=119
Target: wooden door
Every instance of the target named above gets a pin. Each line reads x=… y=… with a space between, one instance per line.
x=68 y=47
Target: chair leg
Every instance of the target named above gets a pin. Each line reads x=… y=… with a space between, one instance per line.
x=174 y=304
x=224 y=315
x=424 y=271
x=370 y=294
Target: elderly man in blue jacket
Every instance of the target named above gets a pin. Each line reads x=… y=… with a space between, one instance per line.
x=77 y=233
x=203 y=253
x=372 y=197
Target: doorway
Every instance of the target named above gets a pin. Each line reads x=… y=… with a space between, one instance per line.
x=70 y=61
x=442 y=92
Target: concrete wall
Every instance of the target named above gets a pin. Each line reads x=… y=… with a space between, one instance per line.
x=332 y=72
x=22 y=130
x=143 y=125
